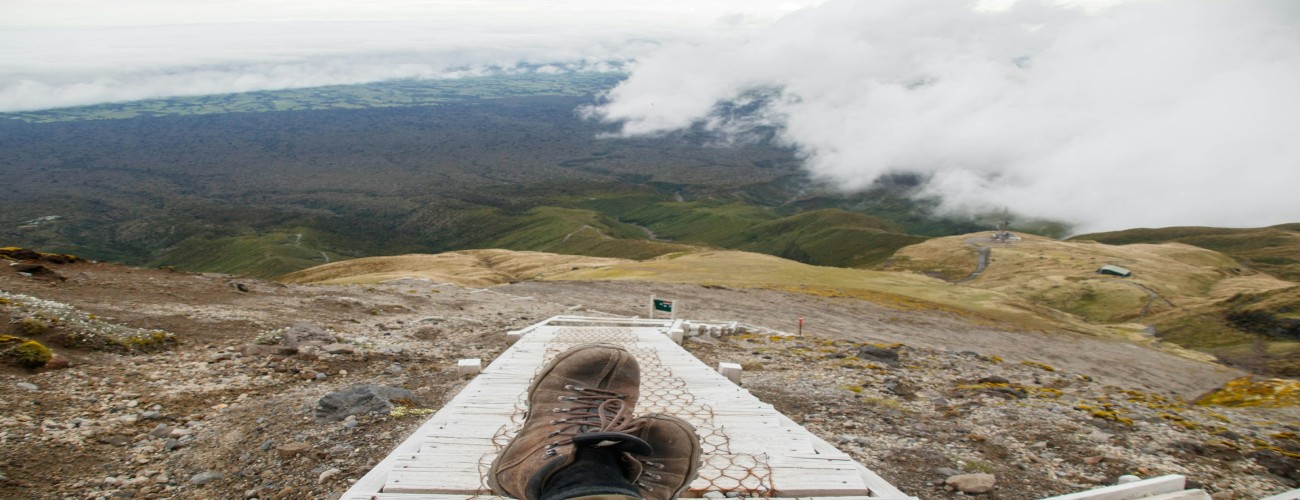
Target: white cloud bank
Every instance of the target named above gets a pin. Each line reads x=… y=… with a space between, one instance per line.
x=58 y=53
x=1143 y=114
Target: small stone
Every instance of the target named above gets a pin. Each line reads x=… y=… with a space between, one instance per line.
x=1094 y=460
x=994 y=379
x=1127 y=478
x=292 y=449
x=161 y=431
x=28 y=386
x=206 y=477
x=221 y=356
x=350 y=424
x=971 y=483
x=325 y=476
x=266 y=445
x=151 y=415
x=172 y=444
x=320 y=376
x=115 y=440
x=947 y=471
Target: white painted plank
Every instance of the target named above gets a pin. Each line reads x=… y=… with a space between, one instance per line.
x=1138 y=489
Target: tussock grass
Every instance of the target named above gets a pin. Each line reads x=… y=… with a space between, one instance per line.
x=466 y=268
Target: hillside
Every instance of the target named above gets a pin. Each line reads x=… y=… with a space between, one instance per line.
x=464 y=268
x=1184 y=294
x=1274 y=250
x=914 y=392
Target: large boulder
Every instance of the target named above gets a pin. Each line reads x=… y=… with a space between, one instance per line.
x=339 y=405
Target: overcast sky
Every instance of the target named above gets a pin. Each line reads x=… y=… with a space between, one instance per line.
x=1143 y=114
x=57 y=53
x=1105 y=113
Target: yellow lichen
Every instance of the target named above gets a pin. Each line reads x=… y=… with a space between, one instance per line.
x=1248 y=391
x=1040 y=366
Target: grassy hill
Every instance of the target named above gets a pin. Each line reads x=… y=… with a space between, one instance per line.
x=1198 y=298
x=907 y=291
x=466 y=268
x=1274 y=250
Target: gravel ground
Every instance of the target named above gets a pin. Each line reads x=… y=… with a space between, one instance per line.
x=916 y=396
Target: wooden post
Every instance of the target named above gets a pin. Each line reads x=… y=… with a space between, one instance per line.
x=731 y=371
x=470 y=366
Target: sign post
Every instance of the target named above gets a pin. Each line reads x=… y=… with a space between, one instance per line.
x=662 y=305
x=801 y=326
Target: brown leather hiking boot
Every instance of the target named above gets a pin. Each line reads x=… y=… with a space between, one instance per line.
x=590 y=388
x=675 y=462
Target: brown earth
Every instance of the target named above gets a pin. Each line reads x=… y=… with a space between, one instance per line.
x=1107 y=408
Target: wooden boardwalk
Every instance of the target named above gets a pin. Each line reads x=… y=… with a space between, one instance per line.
x=750 y=449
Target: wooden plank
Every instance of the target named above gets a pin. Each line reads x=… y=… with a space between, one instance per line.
x=749 y=445
x=1138 y=489
x=1289 y=495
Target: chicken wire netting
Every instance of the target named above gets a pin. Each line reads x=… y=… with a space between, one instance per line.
x=661 y=392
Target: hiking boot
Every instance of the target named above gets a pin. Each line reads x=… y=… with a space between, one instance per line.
x=590 y=388
x=675 y=462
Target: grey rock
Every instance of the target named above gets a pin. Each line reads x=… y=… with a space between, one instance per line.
x=161 y=431
x=972 y=483
x=873 y=353
x=338 y=348
x=151 y=415
x=994 y=379
x=320 y=376
x=307 y=332
x=350 y=424
x=1127 y=478
x=206 y=477
x=357 y=400
x=266 y=445
x=172 y=444
x=222 y=356
x=256 y=350
x=28 y=386
x=946 y=472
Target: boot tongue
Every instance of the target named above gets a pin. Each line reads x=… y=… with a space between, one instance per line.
x=613 y=441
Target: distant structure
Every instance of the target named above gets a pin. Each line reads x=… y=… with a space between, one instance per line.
x=1002 y=235
x=1114 y=271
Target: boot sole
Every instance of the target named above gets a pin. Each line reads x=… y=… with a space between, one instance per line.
x=697 y=449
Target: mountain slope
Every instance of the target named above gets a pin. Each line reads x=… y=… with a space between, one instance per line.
x=1185 y=293
x=1274 y=250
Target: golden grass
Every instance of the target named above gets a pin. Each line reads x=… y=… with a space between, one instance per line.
x=1062 y=274
x=465 y=268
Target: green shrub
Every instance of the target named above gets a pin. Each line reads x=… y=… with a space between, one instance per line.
x=31 y=354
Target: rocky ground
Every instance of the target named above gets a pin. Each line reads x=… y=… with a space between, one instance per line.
x=230 y=410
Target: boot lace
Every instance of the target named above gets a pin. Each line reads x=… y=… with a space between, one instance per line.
x=593 y=410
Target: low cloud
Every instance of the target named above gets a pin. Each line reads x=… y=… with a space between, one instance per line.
x=58 y=53
x=1139 y=114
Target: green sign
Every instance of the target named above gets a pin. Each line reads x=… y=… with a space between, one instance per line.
x=664 y=305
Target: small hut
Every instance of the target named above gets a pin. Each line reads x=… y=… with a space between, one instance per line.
x=1114 y=271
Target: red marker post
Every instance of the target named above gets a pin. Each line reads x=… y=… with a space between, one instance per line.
x=801 y=326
